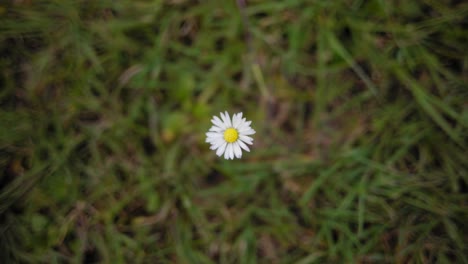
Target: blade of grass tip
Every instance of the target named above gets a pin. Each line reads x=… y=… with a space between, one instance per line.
x=246 y=244
x=453 y=232
x=257 y=72
x=446 y=108
x=332 y=246
x=437 y=70
x=361 y=203
x=447 y=17
x=101 y=247
x=317 y=183
x=184 y=240
x=258 y=75
x=341 y=51
x=320 y=96
x=22 y=185
x=423 y=100
x=311 y=258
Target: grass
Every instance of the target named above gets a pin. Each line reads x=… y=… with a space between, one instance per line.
x=360 y=109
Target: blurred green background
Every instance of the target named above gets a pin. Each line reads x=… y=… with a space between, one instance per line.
x=360 y=108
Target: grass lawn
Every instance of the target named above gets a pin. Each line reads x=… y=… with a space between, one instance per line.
x=360 y=110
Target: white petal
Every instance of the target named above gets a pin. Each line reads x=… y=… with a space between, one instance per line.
x=237 y=150
x=245 y=126
x=228 y=119
x=214 y=134
x=212 y=139
x=228 y=150
x=225 y=119
x=221 y=149
x=246 y=139
x=216 y=129
x=231 y=151
x=248 y=132
x=236 y=120
x=243 y=145
x=216 y=144
x=216 y=121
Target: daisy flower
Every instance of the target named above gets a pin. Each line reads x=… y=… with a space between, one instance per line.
x=230 y=136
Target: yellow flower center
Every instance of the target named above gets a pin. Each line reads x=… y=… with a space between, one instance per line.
x=231 y=135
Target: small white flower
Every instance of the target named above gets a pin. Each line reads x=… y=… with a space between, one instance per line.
x=229 y=136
